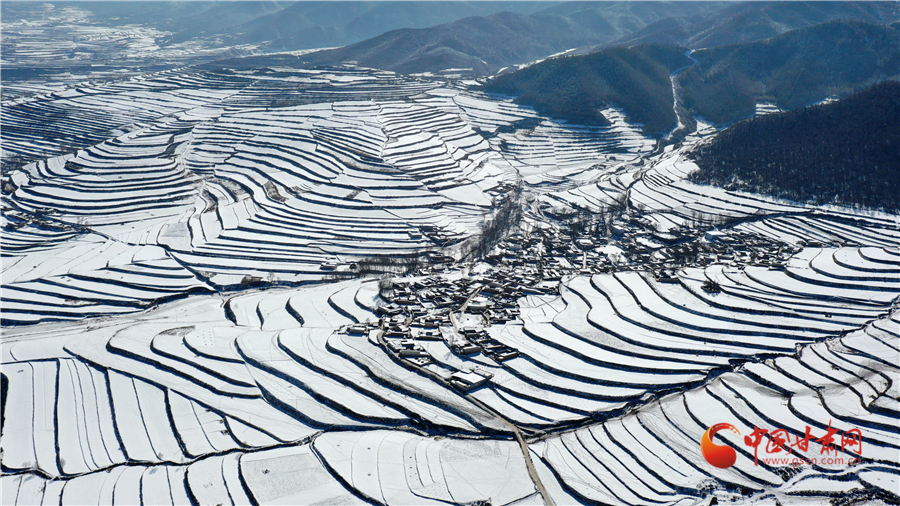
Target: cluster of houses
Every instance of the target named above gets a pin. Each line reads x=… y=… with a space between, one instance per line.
x=429 y=302
x=477 y=340
x=431 y=308
x=546 y=254
x=455 y=311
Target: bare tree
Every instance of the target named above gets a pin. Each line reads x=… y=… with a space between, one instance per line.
x=507 y=216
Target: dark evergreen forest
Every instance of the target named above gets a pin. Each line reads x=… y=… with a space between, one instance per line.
x=846 y=152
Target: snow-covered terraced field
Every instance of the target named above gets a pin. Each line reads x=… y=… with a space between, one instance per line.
x=179 y=326
x=381 y=467
x=53 y=272
x=650 y=456
x=246 y=177
x=184 y=386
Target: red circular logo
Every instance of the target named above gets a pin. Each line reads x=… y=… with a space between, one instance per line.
x=721 y=456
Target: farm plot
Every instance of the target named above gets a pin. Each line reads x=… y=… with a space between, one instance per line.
x=388 y=468
x=241 y=194
x=652 y=456
x=398 y=468
x=141 y=394
x=582 y=357
x=62 y=273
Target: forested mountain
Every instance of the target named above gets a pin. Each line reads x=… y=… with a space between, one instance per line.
x=844 y=152
x=577 y=87
x=721 y=85
x=751 y=21
x=487 y=44
x=619 y=19
x=791 y=70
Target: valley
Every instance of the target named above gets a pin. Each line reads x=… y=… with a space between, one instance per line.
x=264 y=280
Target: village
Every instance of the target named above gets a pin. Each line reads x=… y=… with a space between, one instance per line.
x=455 y=304
x=265 y=280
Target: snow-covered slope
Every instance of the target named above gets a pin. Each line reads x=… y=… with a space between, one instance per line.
x=174 y=331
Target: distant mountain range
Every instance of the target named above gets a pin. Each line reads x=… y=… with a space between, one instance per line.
x=306 y=25
x=484 y=36
x=486 y=44
x=845 y=152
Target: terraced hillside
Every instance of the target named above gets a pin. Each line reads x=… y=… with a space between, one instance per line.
x=185 y=319
x=236 y=179
x=183 y=388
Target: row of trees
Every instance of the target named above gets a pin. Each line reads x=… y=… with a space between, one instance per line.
x=596 y=221
x=380 y=266
x=507 y=216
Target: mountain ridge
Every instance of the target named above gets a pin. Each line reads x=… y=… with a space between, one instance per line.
x=791 y=70
x=310 y=25
x=486 y=44
x=751 y=21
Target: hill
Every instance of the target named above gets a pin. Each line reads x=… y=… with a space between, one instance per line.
x=791 y=70
x=486 y=44
x=482 y=44
x=276 y=25
x=624 y=18
x=721 y=85
x=752 y=21
x=577 y=87
x=844 y=152
x=307 y=25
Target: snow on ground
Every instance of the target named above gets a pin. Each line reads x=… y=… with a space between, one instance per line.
x=649 y=456
x=160 y=364
x=156 y=393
